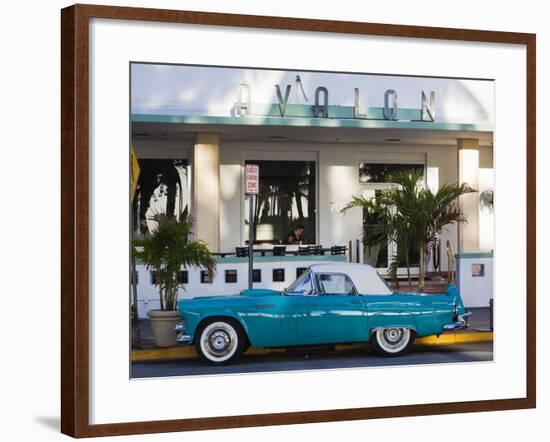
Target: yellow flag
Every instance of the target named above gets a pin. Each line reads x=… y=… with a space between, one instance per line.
x=134 y=171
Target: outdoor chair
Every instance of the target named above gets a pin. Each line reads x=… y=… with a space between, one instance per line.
x=279 y=250
x=304 y=250
x=316 y=250
x=338 y=250
x=241 y=252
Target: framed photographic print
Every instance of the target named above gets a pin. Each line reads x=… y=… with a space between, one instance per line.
x=272 y=220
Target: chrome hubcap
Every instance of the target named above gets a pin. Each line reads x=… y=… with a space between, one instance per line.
x=219 y=341
x=393 y=334
x=393 y=340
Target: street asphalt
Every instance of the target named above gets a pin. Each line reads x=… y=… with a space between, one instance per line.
x=316 y=359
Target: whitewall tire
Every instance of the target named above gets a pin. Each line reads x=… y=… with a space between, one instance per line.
x=394 y=341
x=220 y=341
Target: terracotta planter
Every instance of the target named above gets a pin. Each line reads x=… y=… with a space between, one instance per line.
x=162 y=326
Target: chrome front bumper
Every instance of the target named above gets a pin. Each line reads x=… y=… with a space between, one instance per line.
x=180 y=331
x=184 y=339
x=460 y=324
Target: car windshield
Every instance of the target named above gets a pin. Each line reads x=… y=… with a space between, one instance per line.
x=301 y=286
x=334 y=284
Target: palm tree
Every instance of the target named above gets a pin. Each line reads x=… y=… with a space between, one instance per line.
x=166 y=250
x=435 y=211
x=402 y=200
x=391 y=208
x=412 y=217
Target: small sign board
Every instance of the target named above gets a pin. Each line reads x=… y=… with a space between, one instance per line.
x=252 y=179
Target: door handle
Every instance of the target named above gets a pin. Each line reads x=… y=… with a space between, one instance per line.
x=357 y=301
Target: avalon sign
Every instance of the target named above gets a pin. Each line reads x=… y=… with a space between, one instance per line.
x=321 y=107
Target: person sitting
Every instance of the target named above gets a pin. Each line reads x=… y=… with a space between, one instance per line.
x=296 y=236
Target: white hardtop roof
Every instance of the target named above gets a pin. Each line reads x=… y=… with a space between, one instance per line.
x=364 y=277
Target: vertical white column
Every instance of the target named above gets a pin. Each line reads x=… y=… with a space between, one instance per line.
x=206 y=189
x=468 y=172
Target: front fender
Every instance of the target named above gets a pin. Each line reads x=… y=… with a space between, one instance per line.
x=213 y=315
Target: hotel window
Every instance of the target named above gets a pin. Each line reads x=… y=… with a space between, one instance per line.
x=153 y=277
x=478 y=269
x=381 y=173
x=162 y=188
x=230 y=276
x=256 y=275
x=183 y=277
x=377 y=178
x=286 y=198
x=278 y=275
x=300 y=270
x=206 y=277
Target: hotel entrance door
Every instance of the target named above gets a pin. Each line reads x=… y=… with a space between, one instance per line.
x=379 y=250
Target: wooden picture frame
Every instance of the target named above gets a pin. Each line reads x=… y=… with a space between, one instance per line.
x=75 y=219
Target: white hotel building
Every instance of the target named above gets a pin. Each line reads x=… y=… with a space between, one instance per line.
x=319 y=138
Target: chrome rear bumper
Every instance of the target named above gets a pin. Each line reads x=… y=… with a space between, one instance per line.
x=460 y=324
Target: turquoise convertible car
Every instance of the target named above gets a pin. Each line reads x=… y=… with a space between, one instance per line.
x=327 y=304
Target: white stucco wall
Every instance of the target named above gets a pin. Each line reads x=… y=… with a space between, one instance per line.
x=148 y=294
x=476 y=291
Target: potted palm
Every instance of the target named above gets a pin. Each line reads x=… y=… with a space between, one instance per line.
x=411 y=216
x=166 y=251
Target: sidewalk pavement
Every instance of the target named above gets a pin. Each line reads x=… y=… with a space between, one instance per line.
x=143 y=348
